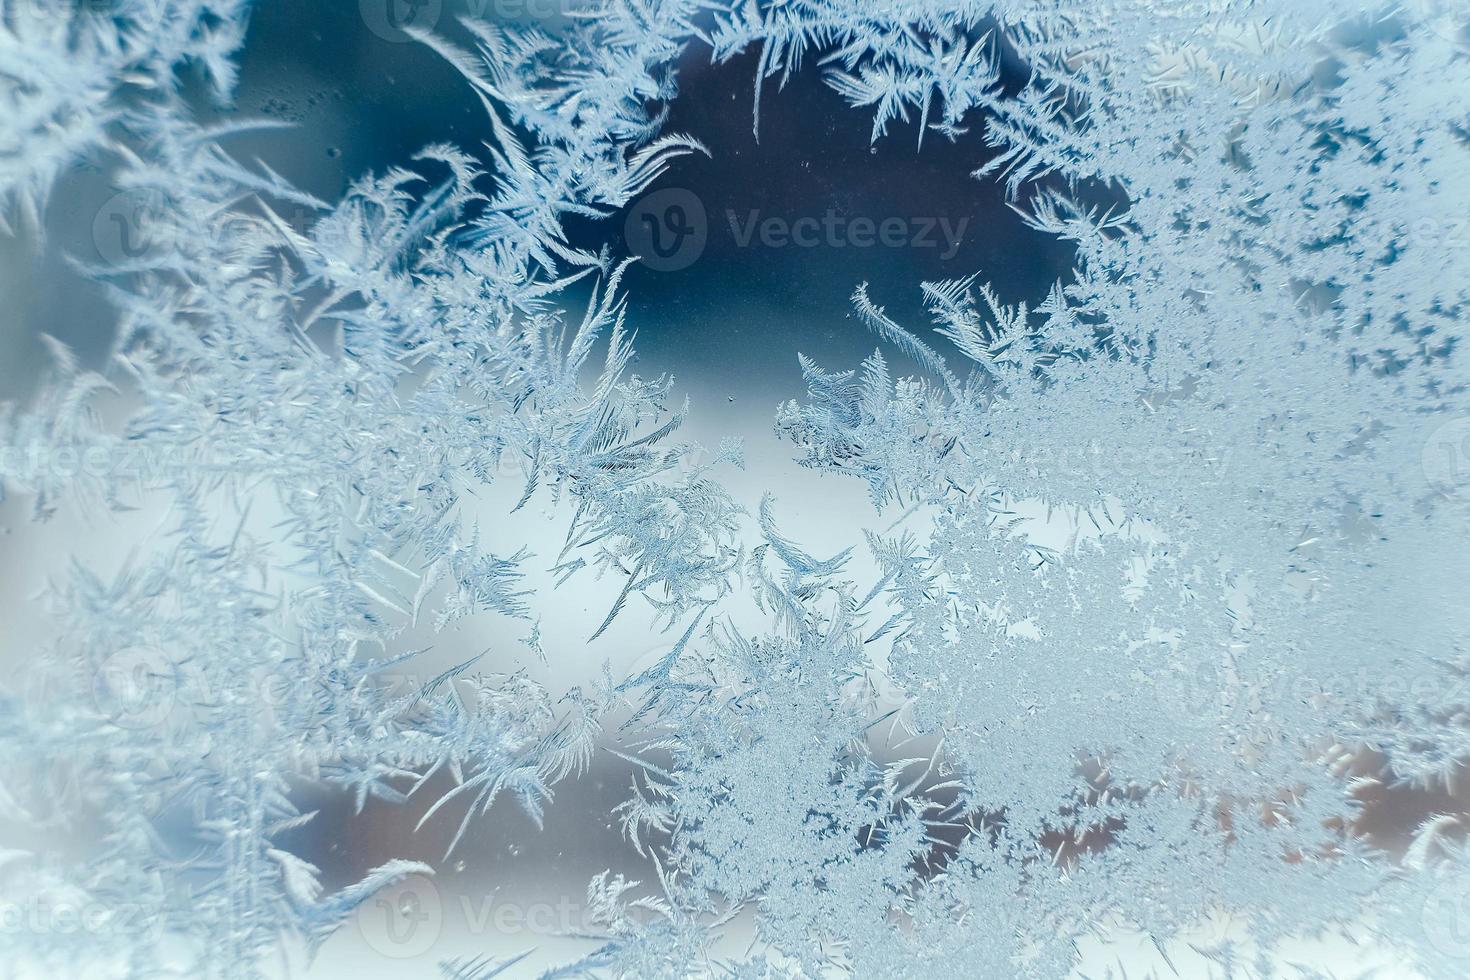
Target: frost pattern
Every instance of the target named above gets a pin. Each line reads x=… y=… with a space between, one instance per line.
x=1143 y=666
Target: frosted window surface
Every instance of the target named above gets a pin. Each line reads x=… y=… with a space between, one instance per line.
x=351 y=538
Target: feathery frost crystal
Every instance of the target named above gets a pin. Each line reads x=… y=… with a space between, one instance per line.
x=1172 y=644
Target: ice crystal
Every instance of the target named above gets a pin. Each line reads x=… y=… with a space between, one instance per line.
x=1176 y=614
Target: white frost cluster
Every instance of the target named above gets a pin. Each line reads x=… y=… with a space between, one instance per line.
x=1186 y=609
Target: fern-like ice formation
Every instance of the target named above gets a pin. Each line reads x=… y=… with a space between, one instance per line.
x=1184 y=602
